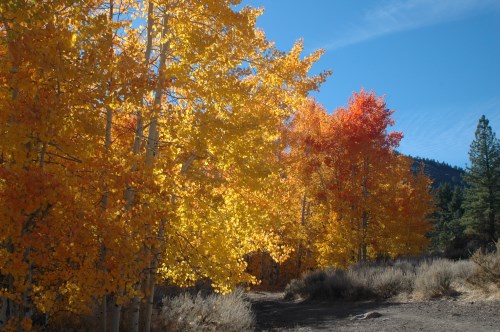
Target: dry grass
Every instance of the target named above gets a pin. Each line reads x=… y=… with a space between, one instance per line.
x=391 y=282
x=321 y=284
x=357 y=283
x=215 y=312
x=487 y=271
x=422 y=278
x=440 y=277
x=295 y=290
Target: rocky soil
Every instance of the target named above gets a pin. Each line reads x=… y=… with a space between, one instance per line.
x=449 y=314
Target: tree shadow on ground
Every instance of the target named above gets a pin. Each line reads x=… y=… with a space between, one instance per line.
x=274 y=313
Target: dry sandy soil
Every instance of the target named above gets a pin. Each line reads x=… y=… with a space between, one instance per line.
x=450 y=314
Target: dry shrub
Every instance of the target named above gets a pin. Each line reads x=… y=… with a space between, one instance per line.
x=215 y=312
x=382 y=281
x=487 y=270
x=463 y=270
x=328 y=284
x=295 y=290
x=391 y=282
x=434 y=279
x=345 y=285
x=408 y=266
x=421 y=277
x=334 y=284
x=360 y=282
x=320 y=285
x=440 y=277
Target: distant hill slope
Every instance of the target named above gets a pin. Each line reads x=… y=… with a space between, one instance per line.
x=440 y=172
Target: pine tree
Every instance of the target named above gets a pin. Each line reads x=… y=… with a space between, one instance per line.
x=442 y=216
x=456 y=204
x=482 y=195
x=447 y=236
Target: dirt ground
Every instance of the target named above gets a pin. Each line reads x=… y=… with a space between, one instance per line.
x=450 y=314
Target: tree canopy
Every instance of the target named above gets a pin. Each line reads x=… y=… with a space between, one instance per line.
x=136 y=143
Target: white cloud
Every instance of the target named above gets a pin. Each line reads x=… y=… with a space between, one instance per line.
x=425 y=135
x=400 y=15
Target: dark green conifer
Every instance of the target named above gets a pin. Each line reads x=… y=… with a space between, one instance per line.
x=447 y=237
x=482 y=195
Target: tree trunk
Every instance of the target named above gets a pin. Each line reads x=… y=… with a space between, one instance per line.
x=302 y=223
x=135 y=309
x=491 y=215
x=365 y=213
x=262 y=267
x=103 y=313
x=7 y=304
x=365 y=226
x=15 y=311
x=105 y=197
x=117 y=315
x=151 y=154
x=150 y=295
x=27 y=309
x=139 y=135
x=3 y=312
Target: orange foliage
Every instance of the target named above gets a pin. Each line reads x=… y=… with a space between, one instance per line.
x=356 y=198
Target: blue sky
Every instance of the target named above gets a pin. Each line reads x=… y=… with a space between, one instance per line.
x=436 y=61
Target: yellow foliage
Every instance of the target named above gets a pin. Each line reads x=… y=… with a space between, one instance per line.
x=126 y=149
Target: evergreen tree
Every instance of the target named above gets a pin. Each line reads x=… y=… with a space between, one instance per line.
x=456 y=206
x=482 y=195
x=447 y=236
x=442 y=216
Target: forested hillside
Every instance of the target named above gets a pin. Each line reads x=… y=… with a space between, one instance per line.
x=440 y=172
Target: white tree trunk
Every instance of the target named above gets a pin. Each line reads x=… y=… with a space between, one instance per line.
x=136 y=303
x=103 y=315
x=150 y=295
x=103 y=310
x=135 y=309
x=117 y=314
x=151 y=154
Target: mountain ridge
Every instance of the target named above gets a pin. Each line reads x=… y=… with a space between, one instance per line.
x=439 y=172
